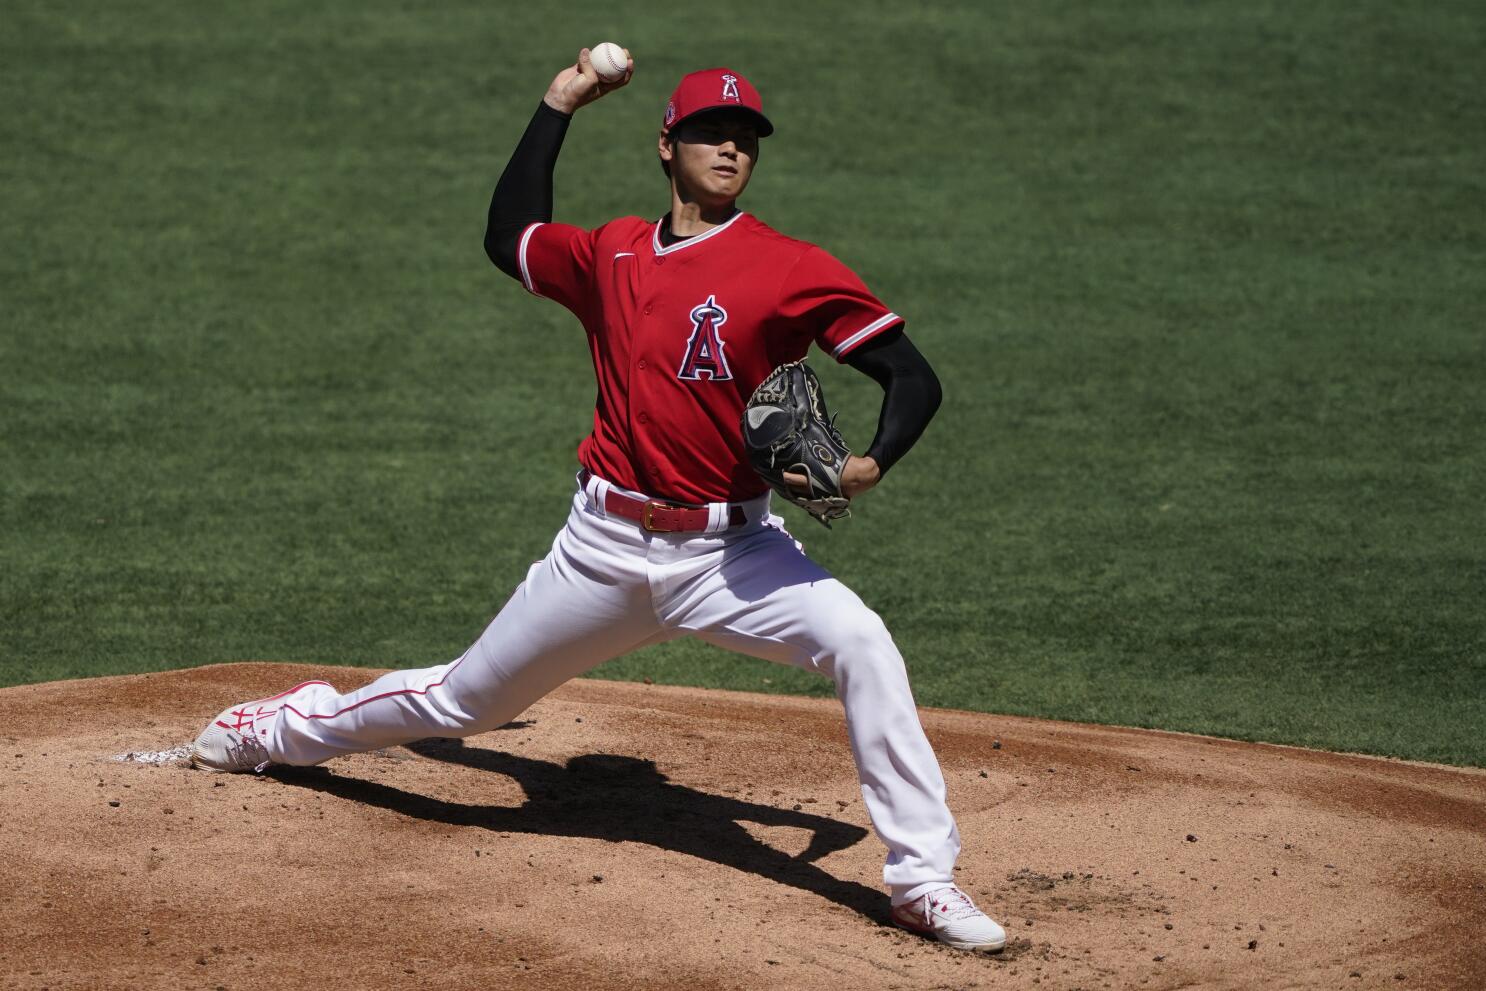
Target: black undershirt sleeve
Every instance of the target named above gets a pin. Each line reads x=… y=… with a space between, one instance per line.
x=911 y=393
x=523 y=196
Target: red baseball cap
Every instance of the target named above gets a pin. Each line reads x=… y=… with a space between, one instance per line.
x=714 y=89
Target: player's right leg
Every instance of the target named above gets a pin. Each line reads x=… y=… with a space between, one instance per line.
x=586 y=602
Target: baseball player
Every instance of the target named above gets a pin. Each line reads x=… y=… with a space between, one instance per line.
x=670 y=533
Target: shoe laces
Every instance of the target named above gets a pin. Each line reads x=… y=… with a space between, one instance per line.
x=953 y=903
x=248 y=750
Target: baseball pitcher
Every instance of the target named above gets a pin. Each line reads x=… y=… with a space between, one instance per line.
x=697 y=321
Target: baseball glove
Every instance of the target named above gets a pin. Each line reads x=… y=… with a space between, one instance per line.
x=787 y=428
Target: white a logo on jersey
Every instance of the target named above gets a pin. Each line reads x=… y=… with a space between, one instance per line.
x=730 y=87
x=704 y=349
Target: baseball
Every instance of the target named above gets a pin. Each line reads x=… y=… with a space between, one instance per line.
x=609 y=61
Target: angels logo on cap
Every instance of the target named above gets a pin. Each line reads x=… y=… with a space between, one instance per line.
x=711 y=89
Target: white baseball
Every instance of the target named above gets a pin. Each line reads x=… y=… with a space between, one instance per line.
x=608 y=61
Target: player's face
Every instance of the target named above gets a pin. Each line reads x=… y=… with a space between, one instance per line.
x=712 y=156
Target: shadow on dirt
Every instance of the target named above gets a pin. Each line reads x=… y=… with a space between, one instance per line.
x=619 y=799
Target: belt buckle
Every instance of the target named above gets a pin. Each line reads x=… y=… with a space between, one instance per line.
x=647 y=518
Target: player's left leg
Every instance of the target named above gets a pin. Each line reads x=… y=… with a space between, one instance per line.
x=761 y=595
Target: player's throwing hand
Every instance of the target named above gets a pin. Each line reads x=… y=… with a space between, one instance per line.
x=579 y=84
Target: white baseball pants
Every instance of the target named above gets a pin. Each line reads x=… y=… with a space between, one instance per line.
x=608 y=587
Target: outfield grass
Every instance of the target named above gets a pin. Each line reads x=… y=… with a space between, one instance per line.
x=1203 y=282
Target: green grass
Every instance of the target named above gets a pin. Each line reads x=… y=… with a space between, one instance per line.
x=1203 y=282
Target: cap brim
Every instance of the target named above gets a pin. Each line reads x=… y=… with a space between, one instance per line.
x=764 y=127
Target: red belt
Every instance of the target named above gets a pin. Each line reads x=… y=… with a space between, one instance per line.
x=658 y=516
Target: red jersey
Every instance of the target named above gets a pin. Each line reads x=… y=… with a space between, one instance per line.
x=682 y=335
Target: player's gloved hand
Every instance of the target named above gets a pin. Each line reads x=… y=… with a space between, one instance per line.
x=579 y=85
x=859 y=475
x=792 y=442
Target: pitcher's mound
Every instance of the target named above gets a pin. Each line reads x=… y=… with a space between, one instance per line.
x=631 y=836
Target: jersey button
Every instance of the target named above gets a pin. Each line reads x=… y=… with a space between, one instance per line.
x=659 y=260
x=655 y=471
x=647 y=311
x=640 y=364
x=643 y=417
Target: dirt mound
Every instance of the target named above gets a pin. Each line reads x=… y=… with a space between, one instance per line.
x=632 y=836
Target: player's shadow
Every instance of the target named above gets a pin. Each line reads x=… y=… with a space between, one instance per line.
x=614 y=798
x=751 y=569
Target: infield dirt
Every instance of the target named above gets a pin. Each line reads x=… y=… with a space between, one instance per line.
x=634 y=836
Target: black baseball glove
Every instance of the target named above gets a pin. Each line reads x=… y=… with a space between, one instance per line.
x=786 y=428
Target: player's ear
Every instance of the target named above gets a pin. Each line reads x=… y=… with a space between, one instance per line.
x=667 y=152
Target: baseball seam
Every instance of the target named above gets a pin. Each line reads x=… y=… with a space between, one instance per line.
x=609 y=60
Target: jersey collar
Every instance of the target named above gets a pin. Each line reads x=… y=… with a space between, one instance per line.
x=696 y=239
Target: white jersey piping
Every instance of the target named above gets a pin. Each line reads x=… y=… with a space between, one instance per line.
x=695 y=239
x=881 y=323
x=521 y=259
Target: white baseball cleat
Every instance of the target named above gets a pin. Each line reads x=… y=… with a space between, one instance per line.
x=233 y=741
x=951 y=917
